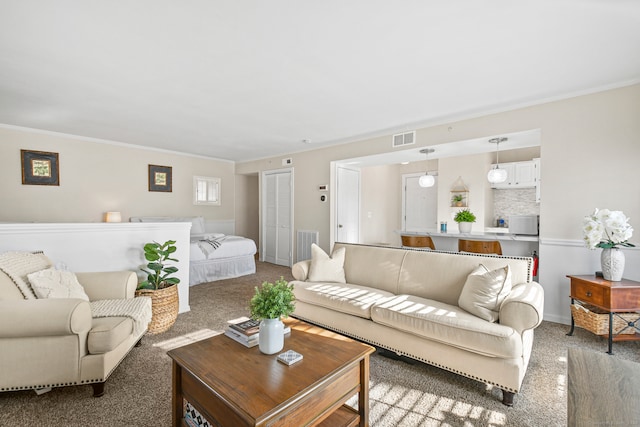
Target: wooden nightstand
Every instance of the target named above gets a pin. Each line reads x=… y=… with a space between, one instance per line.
x=615 y=298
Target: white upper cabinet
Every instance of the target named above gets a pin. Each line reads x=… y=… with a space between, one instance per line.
x=519 y=175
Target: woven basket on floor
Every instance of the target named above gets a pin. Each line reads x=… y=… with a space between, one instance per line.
x=164 y=306
x=596 y=320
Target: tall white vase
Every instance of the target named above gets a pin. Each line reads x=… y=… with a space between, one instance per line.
x=271 y=336
x=612 y=261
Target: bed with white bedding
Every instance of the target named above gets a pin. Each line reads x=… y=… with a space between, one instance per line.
x=213 y=256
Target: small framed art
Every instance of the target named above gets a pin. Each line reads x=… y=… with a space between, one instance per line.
x=39 y=168
x=160 y=178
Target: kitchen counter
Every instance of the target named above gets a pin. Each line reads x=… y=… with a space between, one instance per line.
x=512 y=244
x=474 y=235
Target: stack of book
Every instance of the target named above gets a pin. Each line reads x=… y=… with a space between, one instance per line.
x=246 y=331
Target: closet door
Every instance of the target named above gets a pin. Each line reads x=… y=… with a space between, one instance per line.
x=278 y=217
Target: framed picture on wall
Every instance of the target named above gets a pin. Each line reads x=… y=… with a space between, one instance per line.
x=39 y=168
x=160 y=178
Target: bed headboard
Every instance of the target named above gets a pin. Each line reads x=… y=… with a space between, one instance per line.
x=198 y=224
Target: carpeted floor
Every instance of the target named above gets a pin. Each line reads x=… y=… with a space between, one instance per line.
x=403 y=393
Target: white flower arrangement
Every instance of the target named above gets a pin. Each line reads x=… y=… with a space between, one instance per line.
x=607 y=229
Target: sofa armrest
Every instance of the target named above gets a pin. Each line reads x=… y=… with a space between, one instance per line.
x=523 y=308
x=44 y=317
x=109 y=284
x=300 y=270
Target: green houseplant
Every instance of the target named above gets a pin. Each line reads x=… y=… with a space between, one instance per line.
x=157 y=270
x=465 y=218
x=270 y=303
x=159 y=286
x=457 y=200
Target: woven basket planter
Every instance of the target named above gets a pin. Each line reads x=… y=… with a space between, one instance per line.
x=164 y=306
x=596 y=320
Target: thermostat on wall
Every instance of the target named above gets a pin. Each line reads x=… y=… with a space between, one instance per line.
x=323 y=187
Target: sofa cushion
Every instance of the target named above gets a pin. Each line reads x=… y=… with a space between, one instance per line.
x=108 y=333
x=325 y=268
x=52 y=283
x=447 y=324
x=345 y=298
x=484 y=291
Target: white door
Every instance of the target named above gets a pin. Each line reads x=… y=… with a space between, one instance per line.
x=347 y=205
x=419 y=204
x=277 y=217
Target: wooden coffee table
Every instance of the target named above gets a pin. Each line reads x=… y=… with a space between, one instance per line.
x=232 y=385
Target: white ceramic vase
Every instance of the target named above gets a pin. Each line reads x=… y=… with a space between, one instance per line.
x=612 y=262
x=465 y=227
x=271 y=336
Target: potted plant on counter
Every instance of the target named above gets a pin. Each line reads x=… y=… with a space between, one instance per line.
x=159 y=286
x=270 y=304
x=465 y=218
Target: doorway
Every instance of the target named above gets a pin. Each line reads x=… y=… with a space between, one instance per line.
x=419 y=204
x=347 y=205
x=277 y=211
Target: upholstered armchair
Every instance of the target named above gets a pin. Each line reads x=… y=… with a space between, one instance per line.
x=57 y=341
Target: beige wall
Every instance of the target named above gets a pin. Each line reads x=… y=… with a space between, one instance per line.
x=247 y=207
x=98 y=177
x=590 y=150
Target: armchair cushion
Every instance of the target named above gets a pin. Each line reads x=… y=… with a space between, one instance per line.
x=108 y=333
x=52 y=283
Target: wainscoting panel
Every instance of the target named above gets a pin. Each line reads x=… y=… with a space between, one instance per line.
x=559 y=258
x=101 y=246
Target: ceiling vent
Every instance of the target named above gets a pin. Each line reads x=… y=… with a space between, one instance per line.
x=402 y=139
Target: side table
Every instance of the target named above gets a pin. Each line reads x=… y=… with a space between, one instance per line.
x=614 y=298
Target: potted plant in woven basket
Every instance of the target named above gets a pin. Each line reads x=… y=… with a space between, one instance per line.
x=162 y=289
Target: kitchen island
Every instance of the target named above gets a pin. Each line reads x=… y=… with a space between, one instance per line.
x=512 y=244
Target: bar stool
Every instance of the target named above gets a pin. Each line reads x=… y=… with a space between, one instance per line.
x=418 y=242
x=480 y=246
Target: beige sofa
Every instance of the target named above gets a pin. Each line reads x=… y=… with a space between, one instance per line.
x=53 y=342
x=406 y=301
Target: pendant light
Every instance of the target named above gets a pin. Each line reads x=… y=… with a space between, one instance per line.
x=497 y=175
x=426 y=180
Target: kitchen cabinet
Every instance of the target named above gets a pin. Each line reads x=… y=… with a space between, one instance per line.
x=519 y=175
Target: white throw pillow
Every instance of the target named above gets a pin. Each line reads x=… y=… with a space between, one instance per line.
x=197 y=225
x=325 y=268
x=484 y=292
x=52 y=283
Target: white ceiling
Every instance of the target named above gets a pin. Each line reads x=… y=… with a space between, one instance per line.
x=242 y=80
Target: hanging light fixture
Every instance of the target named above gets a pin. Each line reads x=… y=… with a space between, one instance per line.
x=497 y=175
x=426 y=180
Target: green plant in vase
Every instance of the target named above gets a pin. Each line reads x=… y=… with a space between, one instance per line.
x=465 y=218
x=270 y=303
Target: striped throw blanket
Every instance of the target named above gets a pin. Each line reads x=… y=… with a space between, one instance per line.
x=211 y=244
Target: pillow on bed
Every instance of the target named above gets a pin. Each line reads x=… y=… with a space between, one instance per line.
x=197 y=225
x=325 y=268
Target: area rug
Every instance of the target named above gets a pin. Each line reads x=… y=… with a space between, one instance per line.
x=402 y=392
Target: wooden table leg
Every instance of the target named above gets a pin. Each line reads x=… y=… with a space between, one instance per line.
x=177 y=403
x=363 y=396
